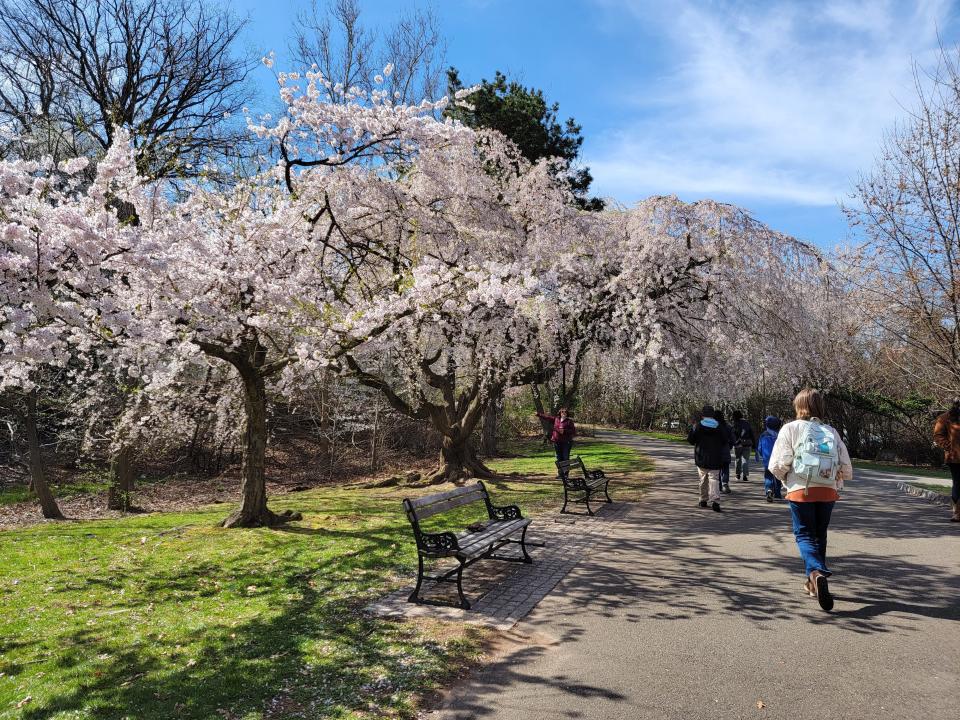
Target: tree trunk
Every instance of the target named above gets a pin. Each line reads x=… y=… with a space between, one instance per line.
x=374 y=437
x=545 y=425
x=38 y=479
x=458 y=462
x=253 y=510
x=491 y=418
x=121 y=480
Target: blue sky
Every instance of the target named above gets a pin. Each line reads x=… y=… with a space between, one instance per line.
x=776 y=106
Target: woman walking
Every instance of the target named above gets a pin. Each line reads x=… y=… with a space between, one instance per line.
x=946 y=434
x=729 y=440
x=562 y=434
x=812 y=462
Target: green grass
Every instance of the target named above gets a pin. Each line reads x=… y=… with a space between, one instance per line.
x=535 y=457
x=85 y=483
x=902 y=469
x=169 y=616
x=165 y=616
x=942 y=489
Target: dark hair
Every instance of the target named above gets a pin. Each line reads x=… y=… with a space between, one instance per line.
x=737 y=415
x=719 y=417
x=707 y=411
x=955 y=410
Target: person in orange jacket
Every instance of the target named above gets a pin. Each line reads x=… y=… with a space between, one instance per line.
x=946 y=434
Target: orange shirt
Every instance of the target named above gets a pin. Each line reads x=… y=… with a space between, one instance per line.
x=815 y=494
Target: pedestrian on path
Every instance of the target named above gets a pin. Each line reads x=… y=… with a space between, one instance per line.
x=946 y=434
x=810 y=458
x=744 y=442
x=562 y=433
x=711 y=450
x=771 y=484
x=725 y=469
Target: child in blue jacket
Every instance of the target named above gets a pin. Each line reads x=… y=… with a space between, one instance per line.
x=768 y=437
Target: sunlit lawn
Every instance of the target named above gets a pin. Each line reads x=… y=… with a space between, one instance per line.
x=534 y=456
x=168 y=616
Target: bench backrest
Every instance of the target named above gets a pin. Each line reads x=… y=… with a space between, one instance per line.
x=427 y=506
x=568 y=465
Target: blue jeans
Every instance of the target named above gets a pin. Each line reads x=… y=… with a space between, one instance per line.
x=743 y=461
x=955 y=474
x=563 y=449
x=725 y=475
x=772 y=484
x=810 y=523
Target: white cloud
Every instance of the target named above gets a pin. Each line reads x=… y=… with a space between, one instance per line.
x=777 y=101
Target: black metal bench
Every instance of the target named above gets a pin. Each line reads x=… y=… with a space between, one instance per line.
x=588 y=482
x=504 y=523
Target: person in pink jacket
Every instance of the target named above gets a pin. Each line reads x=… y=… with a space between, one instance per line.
x=562 y=433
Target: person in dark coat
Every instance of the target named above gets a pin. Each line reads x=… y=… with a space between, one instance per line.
x=744 y=442
x=711 y=450
x=725 y=470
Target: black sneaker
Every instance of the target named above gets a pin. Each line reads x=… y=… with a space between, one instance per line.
x=726 y=489
x=703 y=503
x=716 y=507
x=770 y=496
x=823 y=593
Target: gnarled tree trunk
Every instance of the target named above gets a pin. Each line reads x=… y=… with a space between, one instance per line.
x=491 y=419
x=458 y=463
x=38 y=478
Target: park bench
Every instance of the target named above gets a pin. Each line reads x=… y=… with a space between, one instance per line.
x=588 y=482
x=478 y=541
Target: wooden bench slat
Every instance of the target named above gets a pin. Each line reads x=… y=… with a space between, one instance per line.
x=425 y=511
x=437 y=497
x=496 y=531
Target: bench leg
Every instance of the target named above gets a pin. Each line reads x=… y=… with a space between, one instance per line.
x=565 y=499
x=586 y=499
x=463 y=600
x=605 y=486
x=415 y=595
x=523 y=546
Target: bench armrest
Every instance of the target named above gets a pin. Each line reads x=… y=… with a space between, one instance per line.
x=438 y=543
x=504 y=512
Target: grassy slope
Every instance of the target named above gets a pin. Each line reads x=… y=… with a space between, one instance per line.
x=942 y=489
x=167 y=615
x=902 y=469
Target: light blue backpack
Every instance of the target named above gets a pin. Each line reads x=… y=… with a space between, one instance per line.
x=816 y=458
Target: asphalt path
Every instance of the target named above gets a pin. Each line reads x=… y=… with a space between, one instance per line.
x=680 y=612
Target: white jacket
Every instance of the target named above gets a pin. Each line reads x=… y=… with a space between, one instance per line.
x=781 y=458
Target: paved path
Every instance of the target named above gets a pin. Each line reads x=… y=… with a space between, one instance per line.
x=686 y=613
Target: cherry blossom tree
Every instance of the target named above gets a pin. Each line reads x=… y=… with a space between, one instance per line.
x=58 y=239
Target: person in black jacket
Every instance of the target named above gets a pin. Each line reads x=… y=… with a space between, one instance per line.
x=725 y=469
x=744 y=442
x=710 y=445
